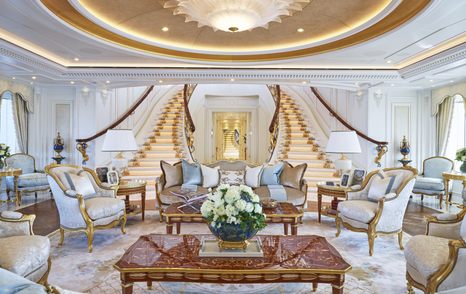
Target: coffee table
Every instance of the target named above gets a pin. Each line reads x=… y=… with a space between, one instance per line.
x=287 y=259
x=285 y=213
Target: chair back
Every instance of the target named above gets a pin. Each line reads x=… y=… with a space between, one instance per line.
x=433 y=167
x=23 y=161
x=58 y=173
x=403 y=176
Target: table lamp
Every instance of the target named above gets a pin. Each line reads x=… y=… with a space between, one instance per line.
x=119 y=140
x=343 y=142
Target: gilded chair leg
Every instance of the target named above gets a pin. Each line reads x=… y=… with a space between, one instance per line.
x=371 y=238
x=90 y=237
x=400 y=240
x=62 y=237
x=440 y=199
x=161 y=215
x=44 y=279
x=338 y=224
x=409 y=288
x=123 y=224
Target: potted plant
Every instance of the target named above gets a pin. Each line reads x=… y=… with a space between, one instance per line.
x=4 y=153
x=461 y=156
x=234 y=215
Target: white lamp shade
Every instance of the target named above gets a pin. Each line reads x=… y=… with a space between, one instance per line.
x=119 y=141
x=343 y=142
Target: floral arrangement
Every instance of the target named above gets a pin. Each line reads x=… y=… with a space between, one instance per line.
x=233 y=205
x=461 y=154
x=4 y=153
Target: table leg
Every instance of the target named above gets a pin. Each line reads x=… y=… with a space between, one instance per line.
x=314 y=286
x=169 y=226
x=446 y=181
x=285 y=229
x=337 y=289
x=294 y=229
x=143 y=204
x=17 y=194
x=319 y=205
x=149 y=285
x=178 y=228
x=127 y=204
x=126 y=288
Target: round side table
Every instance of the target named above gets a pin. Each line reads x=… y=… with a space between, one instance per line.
x=129 y=188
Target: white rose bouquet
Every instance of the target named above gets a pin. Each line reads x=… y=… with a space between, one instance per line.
x=4 y=152
x=233 y=205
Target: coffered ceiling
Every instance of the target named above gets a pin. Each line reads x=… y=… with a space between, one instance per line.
x=345 y=43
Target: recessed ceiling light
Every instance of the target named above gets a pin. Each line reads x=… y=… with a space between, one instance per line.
x=76 y=59
x=108 y=82
x=389 y=61
x=304 y=82
x=451 y=81
x=31 y=83
x=300 y=30
x=392 y=85
x=160 y=81
x=72 y=82
x=232 y=80
x=431 y=81
x=13 y=78
x=34 y=77
x=165 y=29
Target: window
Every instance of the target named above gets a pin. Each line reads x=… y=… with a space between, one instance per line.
x=7 y=126
x=456 y=136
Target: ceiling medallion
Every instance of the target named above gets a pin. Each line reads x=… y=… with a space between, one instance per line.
x=235 y=15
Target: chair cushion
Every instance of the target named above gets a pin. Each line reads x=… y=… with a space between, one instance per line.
x=381 y=185
x=13 y=283
x=358 y=210
x=100 y=207
x=294 y=196
x=210 y=176
x=292 y=176
x=168 y=198
x=80 y=183
x=430 y=184
x=32 y=180
x=426 y=254
x=252 y=177
x=192 y=174
x=173 y=174
x=232 y=177
x=24 y=254
x=271 y=174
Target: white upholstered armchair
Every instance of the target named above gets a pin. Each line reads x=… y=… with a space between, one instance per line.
x=83 y=202
x=379 y=206
x=22 y=252
x=436 y=262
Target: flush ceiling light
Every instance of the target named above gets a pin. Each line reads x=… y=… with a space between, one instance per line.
x=76 y=59
x=234 y=15
x=165 y=29
x=300 y=30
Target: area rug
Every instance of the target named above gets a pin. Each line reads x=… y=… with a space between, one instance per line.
x=75 y=269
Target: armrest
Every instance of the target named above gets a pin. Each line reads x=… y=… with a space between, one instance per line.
x=16 y=224
x=356 y=195
x=445 y=225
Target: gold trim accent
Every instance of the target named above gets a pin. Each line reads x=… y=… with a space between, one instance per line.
x=405 y=11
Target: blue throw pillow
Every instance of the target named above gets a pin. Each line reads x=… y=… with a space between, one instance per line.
x=271 y=174
x=192 y=174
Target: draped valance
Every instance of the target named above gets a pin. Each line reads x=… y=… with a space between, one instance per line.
x=440 y=94
x=26 y=91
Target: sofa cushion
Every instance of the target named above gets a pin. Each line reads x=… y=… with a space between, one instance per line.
x=192 y=174
x=232 y=177
x=426 y=254
x=294 y=196
x=429 y=184
x=167 y=197
x=210 y=176
x=358 y=210
x=271 y=174
x=252 y=177
x=292 y=176
x=173 y=173
x=381 y=185
x=24 y=254
x=32 y=180
x=100 y=207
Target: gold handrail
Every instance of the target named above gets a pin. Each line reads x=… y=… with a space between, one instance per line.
x=190 y=128
x=81 y=144
x=274 y=124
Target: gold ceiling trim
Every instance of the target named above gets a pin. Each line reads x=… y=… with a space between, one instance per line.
x=401 y=14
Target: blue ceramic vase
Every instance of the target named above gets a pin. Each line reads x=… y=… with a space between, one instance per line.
x=233 y=233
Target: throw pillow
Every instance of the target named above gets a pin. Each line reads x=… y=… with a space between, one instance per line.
x=173 y=174
x=252 y=177
x=271 y=174
x=192 y=174
x=381 y=185
x=80 y=183
x=292 y=176
x=210 y=176
x=232 y=177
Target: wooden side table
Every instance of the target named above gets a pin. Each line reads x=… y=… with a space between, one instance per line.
x=130 y=188
x=12 y=172
x=447 y=177
x=336 y=192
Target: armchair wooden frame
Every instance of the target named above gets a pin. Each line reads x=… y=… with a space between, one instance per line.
x=90 y=227
x=371 y=230
x=434 y=281
x=29 y=218
x=440 y=195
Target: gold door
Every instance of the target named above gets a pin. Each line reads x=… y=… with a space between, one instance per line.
x=230 y=135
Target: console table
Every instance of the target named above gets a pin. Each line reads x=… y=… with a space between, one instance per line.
x=287 y=259
x=15 y=173
x=129 y=188
x=447 y=177
x=336 y=192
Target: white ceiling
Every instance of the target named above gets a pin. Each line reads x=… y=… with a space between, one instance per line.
x=35 y=43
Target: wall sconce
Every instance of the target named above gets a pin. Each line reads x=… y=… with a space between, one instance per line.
x=378 y=95
x=85 y=91
x=104 y=93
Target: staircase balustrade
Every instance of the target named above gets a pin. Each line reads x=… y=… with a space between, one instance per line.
x=275 y=123
x=382 y=146
x=190 y=128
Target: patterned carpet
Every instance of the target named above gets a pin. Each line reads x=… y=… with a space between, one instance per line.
x=75 y=269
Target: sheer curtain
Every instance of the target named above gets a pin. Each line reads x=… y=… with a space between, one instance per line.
x=21 y=111
x=444 y=116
